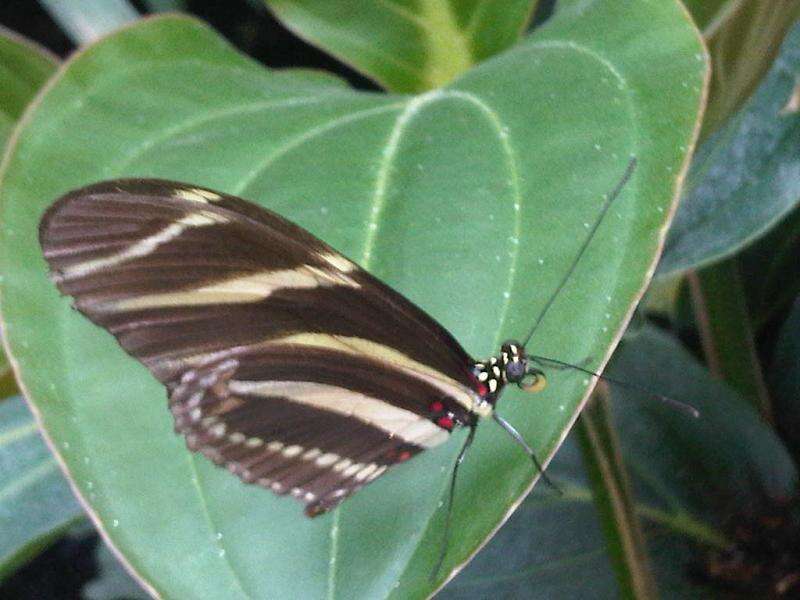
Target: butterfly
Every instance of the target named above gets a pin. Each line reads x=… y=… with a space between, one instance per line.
x=283 y=360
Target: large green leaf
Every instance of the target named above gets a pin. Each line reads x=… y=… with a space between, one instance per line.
x=745 y=177
x=688 y=474
x=408 y=46
x=472 y=200
x=36 y=503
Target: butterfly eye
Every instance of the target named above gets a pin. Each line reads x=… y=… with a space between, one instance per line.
x=515 y=371
x=534 y=380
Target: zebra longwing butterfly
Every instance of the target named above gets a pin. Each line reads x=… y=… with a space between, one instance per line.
x=284 y=361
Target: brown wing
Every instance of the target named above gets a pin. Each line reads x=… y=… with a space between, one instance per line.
x=281 y=347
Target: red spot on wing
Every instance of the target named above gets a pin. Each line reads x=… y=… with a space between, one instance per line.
x=445 y=422
x=479 y=386
x=436 y=406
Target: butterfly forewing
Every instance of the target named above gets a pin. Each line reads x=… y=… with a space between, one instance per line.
x=284 y=361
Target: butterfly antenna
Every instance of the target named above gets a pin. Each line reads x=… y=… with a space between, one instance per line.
x=446 y=535
x=606 y=205
x=672 y=402
x=509 y=429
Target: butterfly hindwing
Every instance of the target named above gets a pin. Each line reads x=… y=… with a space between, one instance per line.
x=284 y=361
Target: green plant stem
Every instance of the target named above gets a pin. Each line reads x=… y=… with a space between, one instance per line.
x=726 y=335
x=612 y=495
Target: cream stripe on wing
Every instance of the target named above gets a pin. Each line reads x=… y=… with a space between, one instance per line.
x=357 y=347
x=370 y=349
x=145 y=246
x=397 y=422
x=247 y=288
x=196 y=195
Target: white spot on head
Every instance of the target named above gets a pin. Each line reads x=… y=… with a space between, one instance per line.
x=274 y=446
x=310 y=497
x=218 y=430
x=253 y=442
x=236 y=438
x=276 y=487
x=196 y=414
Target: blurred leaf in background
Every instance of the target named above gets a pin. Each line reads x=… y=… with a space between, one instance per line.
x=24 y=67
x=408 y=47
x=36 y=504
x=745 y=177
x=743 y=38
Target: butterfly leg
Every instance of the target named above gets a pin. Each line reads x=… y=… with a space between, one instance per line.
x=521 y=441
x=450 y=495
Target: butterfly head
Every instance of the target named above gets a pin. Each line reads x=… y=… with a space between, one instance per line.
x=511 y=366
x=517 y=368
